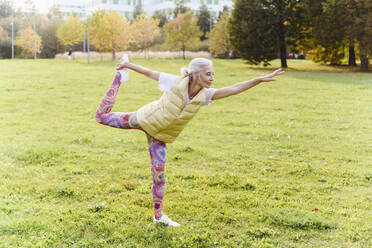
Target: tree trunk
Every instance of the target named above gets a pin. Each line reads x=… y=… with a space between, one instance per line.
x=113 y=55
x=282 y=45
x=283 y=48
x=352 y=55
x=363 y=62
x=183 y=52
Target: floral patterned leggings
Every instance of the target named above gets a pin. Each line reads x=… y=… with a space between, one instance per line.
x=157 y=148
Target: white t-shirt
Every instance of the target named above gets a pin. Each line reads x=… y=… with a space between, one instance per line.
x=167 y=80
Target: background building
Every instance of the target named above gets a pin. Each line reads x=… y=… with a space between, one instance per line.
x=124 y=7
x=167 y=6
x=127 y=7
x=67 y=7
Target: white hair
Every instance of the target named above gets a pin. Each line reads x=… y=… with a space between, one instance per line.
x=196 y=66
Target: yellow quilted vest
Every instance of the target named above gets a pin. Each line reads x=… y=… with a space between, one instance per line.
x=165 y=118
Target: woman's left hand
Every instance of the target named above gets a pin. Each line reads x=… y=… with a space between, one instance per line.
x=271 y=76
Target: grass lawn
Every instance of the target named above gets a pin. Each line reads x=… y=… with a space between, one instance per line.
x=285 y=164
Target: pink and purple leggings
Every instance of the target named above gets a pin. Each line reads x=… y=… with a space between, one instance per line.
x=157 y=148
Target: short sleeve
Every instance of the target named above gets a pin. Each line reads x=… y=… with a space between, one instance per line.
x=166 y=81
x=209 y=93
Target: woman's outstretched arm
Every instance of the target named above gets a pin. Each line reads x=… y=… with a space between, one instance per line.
x=243 y=86
x=137 y=68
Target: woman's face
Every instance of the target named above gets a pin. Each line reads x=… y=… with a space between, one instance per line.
x=206 y=77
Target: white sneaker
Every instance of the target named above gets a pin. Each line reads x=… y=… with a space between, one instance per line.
x=124 y=72
x=166 y=221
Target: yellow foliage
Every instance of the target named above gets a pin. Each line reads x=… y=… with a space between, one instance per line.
x=220 y=36
x=97 y=31
x=144 y=30
x=3 y=33
x=183 y=30
x=109 y=32
x=71 y=31
x=25 y=40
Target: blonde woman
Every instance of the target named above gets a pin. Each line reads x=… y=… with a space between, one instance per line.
x=164 y=119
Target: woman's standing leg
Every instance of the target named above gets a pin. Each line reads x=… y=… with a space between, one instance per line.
x=157 y=151
x=115 y=119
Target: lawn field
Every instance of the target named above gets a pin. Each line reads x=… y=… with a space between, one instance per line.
x=285 y=164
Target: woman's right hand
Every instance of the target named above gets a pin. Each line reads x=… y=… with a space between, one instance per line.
x=122 y=64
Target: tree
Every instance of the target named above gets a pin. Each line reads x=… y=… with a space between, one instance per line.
x=333 y=25
x=224 y=9
x=220 y=37
x=54 y=13
x=6 y=8
x=138 y=10
x=144 y=30
x=3 y=33
x=5 y=44
x=180 y=8
x=259 y=30
x=162 y=17
x=363 y=31
x=97 y=31
x=183 y=29
x=117 y=32
x=329 y=32
x=350 y=6
x=71 y=31
x=109 y=32
x=25 y=40
x=204 y=21
x=48 y=32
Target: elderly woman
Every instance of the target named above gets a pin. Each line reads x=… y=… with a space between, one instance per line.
x=164 y=119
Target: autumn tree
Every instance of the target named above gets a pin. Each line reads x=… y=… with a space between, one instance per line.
x=97 y=31
x=220 y=36
x=116 y=31
x=71 y=31
x=143 y=32
x=25 y=40
x=183 y=29
x=3 y=33
x=109 y=32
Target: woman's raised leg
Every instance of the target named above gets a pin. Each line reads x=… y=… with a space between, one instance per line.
x=115 y=119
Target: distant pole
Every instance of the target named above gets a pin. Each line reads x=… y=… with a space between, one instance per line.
x=179 y=41
x=34 y=35
x=210 y=35
x=84 y=43
x=12 y=37
x=88 y=42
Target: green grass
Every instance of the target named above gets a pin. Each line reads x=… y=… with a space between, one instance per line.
x=285 y=164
